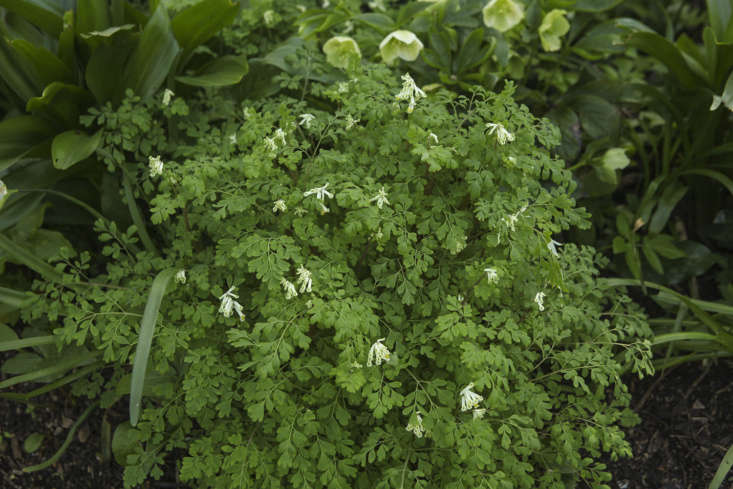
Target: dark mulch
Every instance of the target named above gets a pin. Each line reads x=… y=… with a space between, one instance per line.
x=687 y=427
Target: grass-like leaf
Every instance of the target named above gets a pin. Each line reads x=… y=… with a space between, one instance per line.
x=147 y=328
x=723 y=469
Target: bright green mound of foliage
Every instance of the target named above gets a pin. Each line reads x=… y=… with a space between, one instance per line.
x=372 y=295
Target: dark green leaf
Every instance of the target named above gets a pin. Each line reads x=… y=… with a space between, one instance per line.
x=195 y=25
x=223 y=71
x=33 y=442
x=44 y=14
x=20 y=135
x=666 y=204
x=666 y=52
x=71 y=147
x=91 y=15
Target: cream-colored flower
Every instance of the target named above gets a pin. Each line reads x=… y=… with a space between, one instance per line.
x=229 y=304
x=279 y=205
x=304 y=279
x=552 y=247
x=269 y=17
x=378 y=353
x=400 y=44
x=381 y=198
x=502 y=15
x=270 y=144
x=539 y=299
x=320 y=192
x=416 y=428
x=306 y=119
x=156 y=166
x=167 y=94
x=280 y=135
x=469 y=399
x=181 y=276
x=350 y=121
x=502 y=135
x=289 y=289
x=491 y=275
x=479 y=413
x=410 y=92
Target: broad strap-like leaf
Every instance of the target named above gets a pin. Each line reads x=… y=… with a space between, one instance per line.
x=145 y=339
x=71 y=147
x=196 y=24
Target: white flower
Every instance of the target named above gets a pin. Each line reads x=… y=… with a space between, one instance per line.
x=378 y=353
x=491 y=275
x=416 y=428
x=269 y=18
x=299 y=211
x=479 y=413
x=400 y=44
x=167 y=94
x=539 y=299
x=502 y=135
x=324 y=209
x=306 y=119
x=289 y=288
x=433 y=137
x=280 y=134
x=381 y=198
x=320 y=192
x=181 y=276
x=502 y=15
x=351 y=122
x=342 y=52
x=270 y=144
x=247 y=112
x=326 y=4
x=511 y=220
x=552 y=247
x=229 y=304
x=279 y=205
x=469 y=399
x=377 y=5
x=410 y=92
x=304 y=279
x=342 y=87
x=233 y=138
x=156 y=166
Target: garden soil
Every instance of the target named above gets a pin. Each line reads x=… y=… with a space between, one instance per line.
x=687 y=425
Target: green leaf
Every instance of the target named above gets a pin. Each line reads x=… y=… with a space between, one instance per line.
x=223 y=71
x=71 y=147
x=33 y=442
x=634 y=262
x=664 y=245
x=666 y=52
x=17 y=344
x=598 y=117
x=103 y=78
x=472 y=53
x=595 y=5
x=91 y=15
x=723 y=468
x=47 y=15
x=652 y=257
x=719 y=15
x=145 y=339
x=196 y=24
x=21 y=255
x=7 y=334
x=46 y=66
x=58 y=368
x=125 y=441
x=666 y=204
x=61 y=102
x=152 y=59
x=15 y=73
x=380 y=22
x=19 y=136
x=715 y=175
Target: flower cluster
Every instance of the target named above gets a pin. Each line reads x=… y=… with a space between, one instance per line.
x=229 y=304
x=378 y=353
x=410 y=92
x=469 y=399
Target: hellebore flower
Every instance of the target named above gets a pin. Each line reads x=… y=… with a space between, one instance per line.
x=502 y=15
x=554 y=26
x=342 y=52
x=400 y=44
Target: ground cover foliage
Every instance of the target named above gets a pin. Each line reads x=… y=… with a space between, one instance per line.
x=350 y=268
x=363 y=225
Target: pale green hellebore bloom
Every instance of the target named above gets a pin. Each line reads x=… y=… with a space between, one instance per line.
x=400 y=44
x=554 y=26
x=342 y=52
x=502 y=15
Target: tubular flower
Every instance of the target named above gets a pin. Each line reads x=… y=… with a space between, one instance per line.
x=320 y=192
x=416 y=427
x=306 y=119
x=469 y=399
x=502 y=15
x=539 y=299
x=410 y=92
x=279 y=205
x=342 y=52
x=502 y=135
x=552 y=247
x=400 y=44
x=229 y=304
x=378 y=353
x=156 y=166
x=491 y=275
x=167 y=94
x=181 y=276
x=289 y=289
x=381 y=198
x=479 y=413
x=304 y=279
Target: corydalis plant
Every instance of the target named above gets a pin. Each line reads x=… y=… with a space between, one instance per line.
x=399 y=362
